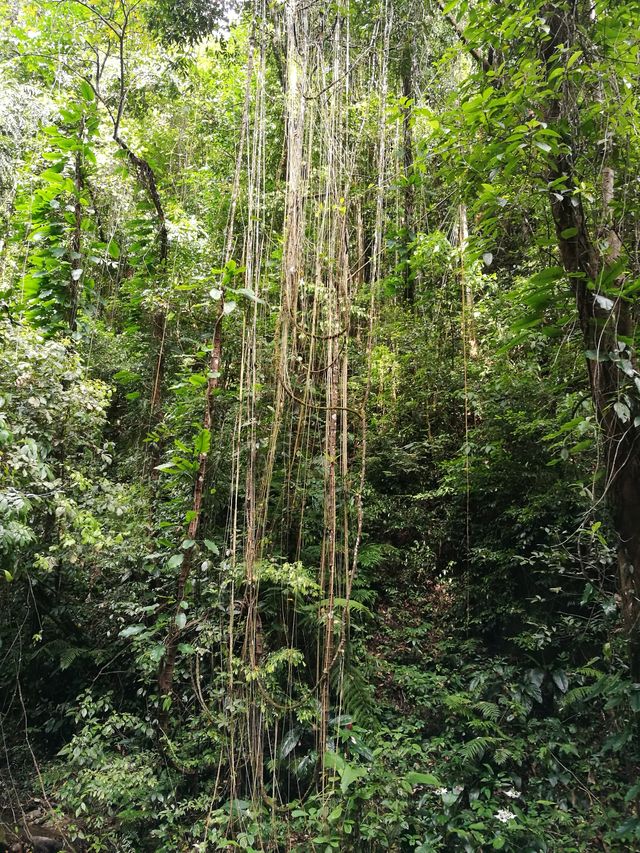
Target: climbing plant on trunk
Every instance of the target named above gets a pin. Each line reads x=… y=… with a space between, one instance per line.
x=545 y=116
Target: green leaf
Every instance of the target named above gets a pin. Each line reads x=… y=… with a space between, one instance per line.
x=86 y=91
x=202 y=442
x=334 y=761
x=350 y=775
x=289 y=742
x=181 y=620
x=568 y=232
x=335 y=814
x=157 y=652
x=573 y=59
x=415 y=778
x=560 y=680
x=125 y=376
x=622 y=411
x=594 y=355
x=611 y=273
x=175 y=561
x=211 y=546
x=546 y=276
x=131 y=631
x=113 y=249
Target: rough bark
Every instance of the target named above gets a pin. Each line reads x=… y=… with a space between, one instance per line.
x=147 y=179
x=586 y=257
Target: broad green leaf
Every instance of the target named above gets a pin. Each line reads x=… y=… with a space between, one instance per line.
x=622 y=411
x=157 y=652
x=131 y=631
x=349 y=775
x=289 y=742
x=560 y=680
x=86 y=91
x=415 y=778
x=335 y=814
x=202 y=442
x=546 y=276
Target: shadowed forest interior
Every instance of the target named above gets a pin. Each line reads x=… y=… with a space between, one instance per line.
x=319 y=426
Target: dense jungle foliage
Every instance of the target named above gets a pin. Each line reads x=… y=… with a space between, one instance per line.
x=319 y=413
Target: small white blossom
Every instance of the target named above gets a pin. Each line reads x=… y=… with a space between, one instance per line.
x=441 y=791
x=504 y=815
x=512 y=793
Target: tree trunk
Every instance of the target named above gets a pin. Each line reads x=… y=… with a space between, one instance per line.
x=167 y=667
x=468 y=324
x=606 y=323
x=76 y=240
x=408 y=193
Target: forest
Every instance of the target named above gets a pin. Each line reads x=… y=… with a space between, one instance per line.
x=319 y=426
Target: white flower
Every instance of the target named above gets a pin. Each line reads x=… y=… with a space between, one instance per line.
x=441 y=791
x=512 y=793
x=504 y=815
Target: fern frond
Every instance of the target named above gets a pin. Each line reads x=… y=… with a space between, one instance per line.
x=489 y=710
x=69 y=655
x=580 y=694
x=475 y=749
x=357 y=697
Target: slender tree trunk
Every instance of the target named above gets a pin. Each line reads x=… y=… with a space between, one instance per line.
x=605 y=322
x=328 y=570
x=408 y=193
x=76 y=241
x=147 y=181
x=167 y=667
x=469 y=326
